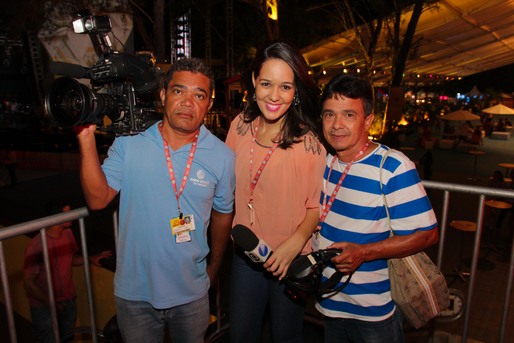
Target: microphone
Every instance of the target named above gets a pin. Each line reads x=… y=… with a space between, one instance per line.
x=68 y=69
x=256 y=249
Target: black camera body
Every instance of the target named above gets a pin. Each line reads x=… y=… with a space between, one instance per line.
x=122 y=86
x=305 y=275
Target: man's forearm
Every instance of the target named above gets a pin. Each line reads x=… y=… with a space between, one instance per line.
x=220 y=226
x=96 y=191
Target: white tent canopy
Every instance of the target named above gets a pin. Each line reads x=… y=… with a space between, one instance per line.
x=455 y=38
x=499 y=109
x=474 y=92
x=461 y=115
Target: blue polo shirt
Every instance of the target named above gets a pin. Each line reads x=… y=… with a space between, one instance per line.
x=151 y=266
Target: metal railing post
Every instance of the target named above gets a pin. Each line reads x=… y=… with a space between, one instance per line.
x=28 y=227
x=87 y=274
x=7 y=294
x=50 y=283
x=508 y=295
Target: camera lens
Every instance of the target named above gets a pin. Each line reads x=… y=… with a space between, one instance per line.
x=72 y=102
x=68 y=102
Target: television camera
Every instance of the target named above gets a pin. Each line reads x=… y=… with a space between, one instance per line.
x=122 y=85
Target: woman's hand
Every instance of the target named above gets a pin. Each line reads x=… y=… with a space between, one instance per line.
x=280 y=260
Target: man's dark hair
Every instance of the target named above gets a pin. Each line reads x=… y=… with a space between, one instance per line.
x=193 y=65
x=350 y=86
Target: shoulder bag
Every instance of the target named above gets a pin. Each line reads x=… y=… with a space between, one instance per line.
x=418 y=287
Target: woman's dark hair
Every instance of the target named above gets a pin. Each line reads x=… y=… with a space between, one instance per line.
x=301 y=118
x=350 y=86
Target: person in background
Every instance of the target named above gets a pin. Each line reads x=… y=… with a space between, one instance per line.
x=465 y=132
x=279 y=164
x=426 y=162
x=63 y=254
x=354 y=219
x=10 y=164
x=174 y=169
x=497 y=181
x=426 y=134
x=500 y=125
x=488 y=126
x=476 y=138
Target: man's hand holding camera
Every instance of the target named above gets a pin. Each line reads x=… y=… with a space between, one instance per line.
x=84 y=130
x=351 y=256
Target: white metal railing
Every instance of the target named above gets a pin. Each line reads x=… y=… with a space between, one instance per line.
x=81 y=213
x=40 y=224
x=482 y=192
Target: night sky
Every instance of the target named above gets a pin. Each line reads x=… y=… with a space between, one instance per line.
x=501 y=79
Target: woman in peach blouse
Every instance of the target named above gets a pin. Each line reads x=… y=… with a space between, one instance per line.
x=279 y=168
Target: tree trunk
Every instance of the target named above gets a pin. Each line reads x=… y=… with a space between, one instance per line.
x=394 y=106
x=404 y=49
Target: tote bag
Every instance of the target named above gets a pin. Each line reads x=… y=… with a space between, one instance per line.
x=418 y=287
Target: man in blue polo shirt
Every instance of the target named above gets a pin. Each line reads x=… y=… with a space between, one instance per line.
x=174 y=170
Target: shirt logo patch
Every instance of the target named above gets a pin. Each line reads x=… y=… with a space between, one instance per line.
x=199 y=180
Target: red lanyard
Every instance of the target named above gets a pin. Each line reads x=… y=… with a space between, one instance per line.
x=178 y=192
x=326 y=206
x=253 y=182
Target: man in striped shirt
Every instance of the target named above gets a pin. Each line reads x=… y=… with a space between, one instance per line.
x=354 y=217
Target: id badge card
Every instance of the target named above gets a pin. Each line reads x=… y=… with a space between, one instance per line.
x=181 y=228
x=315 y=241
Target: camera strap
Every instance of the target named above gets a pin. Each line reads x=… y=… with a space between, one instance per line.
x=327 y=289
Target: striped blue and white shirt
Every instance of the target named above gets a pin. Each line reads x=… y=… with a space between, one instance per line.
x=358 y=215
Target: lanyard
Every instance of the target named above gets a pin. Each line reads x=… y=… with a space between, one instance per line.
x=327 y=205
x=255 y=179
x=178 y=192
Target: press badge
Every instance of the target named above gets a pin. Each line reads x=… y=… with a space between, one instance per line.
x=315 y=241
x=180 y=228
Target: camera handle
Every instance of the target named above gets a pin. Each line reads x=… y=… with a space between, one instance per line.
x=101 y=43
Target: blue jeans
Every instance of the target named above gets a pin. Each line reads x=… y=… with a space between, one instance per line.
x=390 y=330
x=251 y=288
x=42 y=322
x=140 y=322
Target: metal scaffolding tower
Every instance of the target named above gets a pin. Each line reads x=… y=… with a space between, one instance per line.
x=36 y=58
x=181 y=37
x=230 y=38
